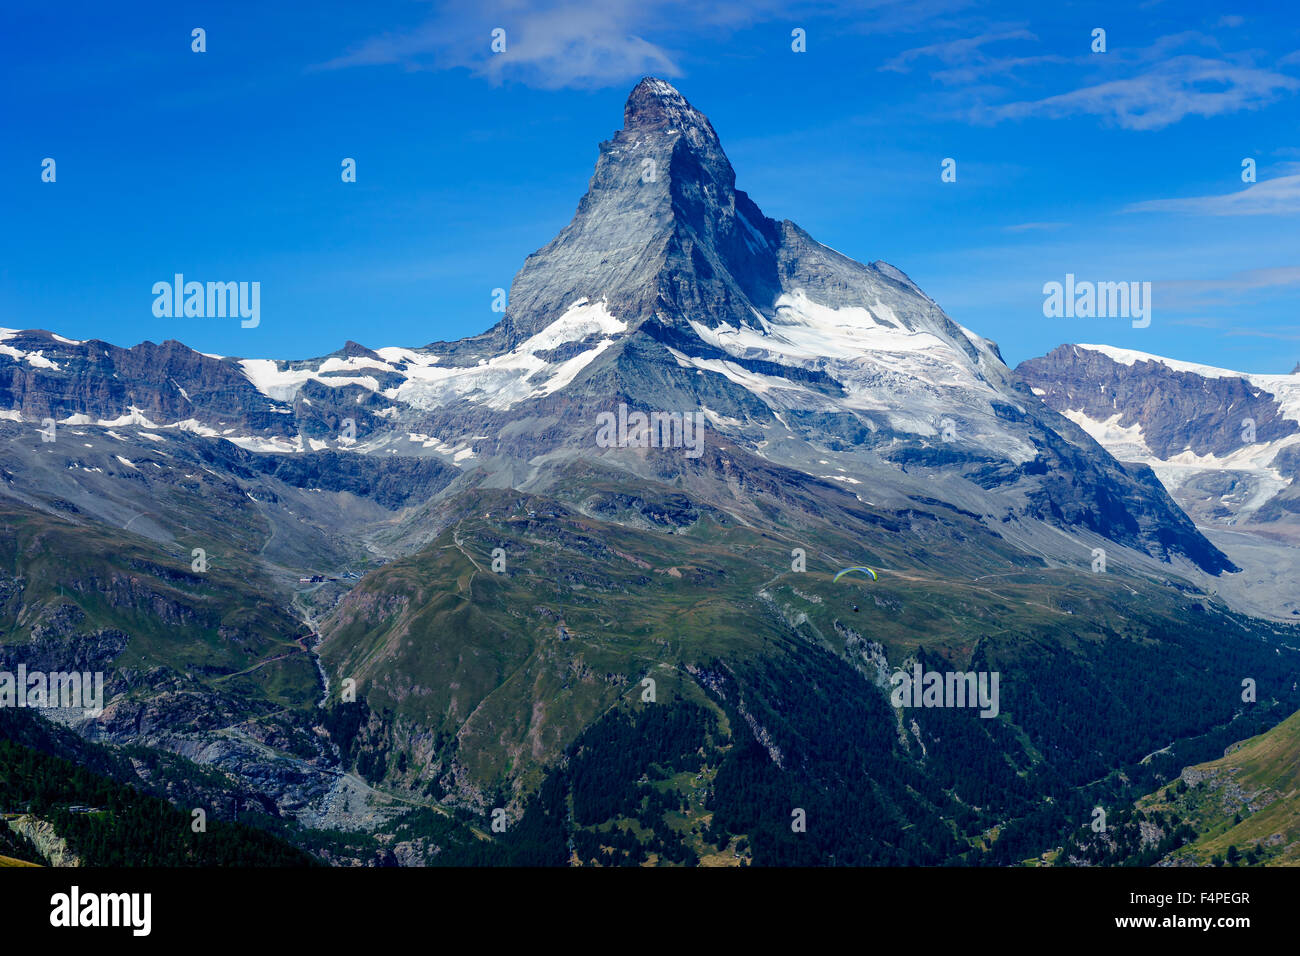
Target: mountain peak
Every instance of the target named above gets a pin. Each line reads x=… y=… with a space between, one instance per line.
x=654 y=104
x=663 y=234
x=656 y=114
x=660 y=211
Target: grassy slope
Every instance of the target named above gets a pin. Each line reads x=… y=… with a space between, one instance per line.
x=1257 y=782
x=484 y=680
x=226 y=628
x=475 y=674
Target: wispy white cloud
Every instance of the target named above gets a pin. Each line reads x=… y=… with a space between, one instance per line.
x=962 y=50
x=1202 y=322
x=1230 y=290
x=566 y=44
x=1163 y=93
x=1272 y=197
x=1036 y=227
x=896 y=16
x=967 y=60
x=1147 y=87
x=552 y=44
x=1232 y=328
x=1286 y=333
x=1243 y=281
x=988 y=69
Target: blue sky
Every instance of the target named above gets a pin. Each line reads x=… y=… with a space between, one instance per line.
x=224 y=165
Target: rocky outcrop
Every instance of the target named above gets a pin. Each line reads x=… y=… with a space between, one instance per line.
x=42 y=836
x=55 y=377
x=1177 y=411
x=1226 y=445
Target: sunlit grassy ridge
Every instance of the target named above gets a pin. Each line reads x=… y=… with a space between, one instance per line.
x=1249 y=800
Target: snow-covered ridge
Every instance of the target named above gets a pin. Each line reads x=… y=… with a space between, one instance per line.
x=1132 y=356
x=1284 y=388
x=1252 y=465
x=10 y=333
x=530 y=370
x=808 y=334
x=498 y=382
x=136 y=418
x=505 y=380
x=912 y=377
x=861 y=347
x=283 y=384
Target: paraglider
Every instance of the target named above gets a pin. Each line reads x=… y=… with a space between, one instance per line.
x=863 y=570
x=866 y=571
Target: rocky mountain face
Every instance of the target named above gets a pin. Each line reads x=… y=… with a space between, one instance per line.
x=1225 y=444
x=458 y=531
x=45 y=375
x=669 y=292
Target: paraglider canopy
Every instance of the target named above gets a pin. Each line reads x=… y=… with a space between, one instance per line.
x=863 y=570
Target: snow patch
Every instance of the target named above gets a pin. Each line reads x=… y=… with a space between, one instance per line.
x=519 y=374
x=35 y=359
